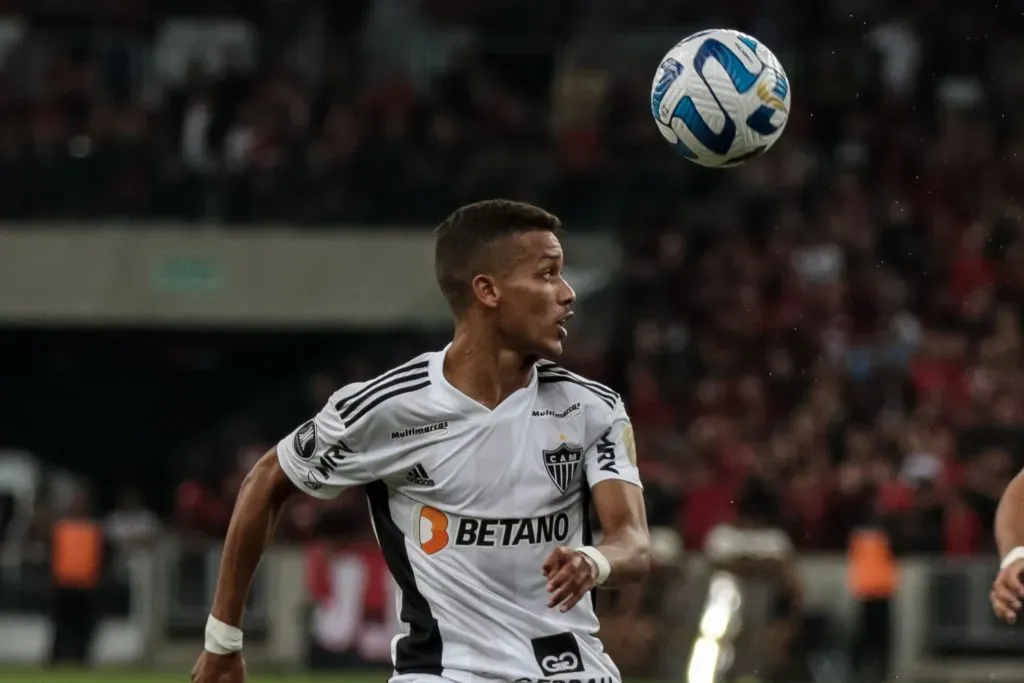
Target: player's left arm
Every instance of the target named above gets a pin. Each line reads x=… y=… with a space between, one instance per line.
x=626 y=540
x=623 y=556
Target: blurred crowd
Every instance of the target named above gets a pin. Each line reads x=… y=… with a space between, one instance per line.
x=838 y=320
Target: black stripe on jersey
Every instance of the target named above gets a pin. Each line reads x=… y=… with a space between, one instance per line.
x=389 y=379
x=554 y=379
x=588 y=529
x=380 y=398
x=549 y=372
x=420 y=651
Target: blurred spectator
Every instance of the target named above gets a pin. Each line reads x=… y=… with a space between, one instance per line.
x=77 y=564
x=131 y=524
x=873 y=580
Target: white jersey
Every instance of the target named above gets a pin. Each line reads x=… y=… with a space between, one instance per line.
x=467 y=503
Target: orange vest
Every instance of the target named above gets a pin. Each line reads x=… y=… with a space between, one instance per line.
x=871 y=568
x=77 y=553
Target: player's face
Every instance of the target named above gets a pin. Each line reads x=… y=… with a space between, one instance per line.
x=536 y=301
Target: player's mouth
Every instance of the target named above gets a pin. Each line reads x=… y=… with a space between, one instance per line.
x=561 y=323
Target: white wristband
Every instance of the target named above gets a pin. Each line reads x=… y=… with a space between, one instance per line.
x=221 y=638
x=1012 y=556
x=604 y=567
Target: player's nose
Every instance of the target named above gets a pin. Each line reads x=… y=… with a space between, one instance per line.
x=567 y=294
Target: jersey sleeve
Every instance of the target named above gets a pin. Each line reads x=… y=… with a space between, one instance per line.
x=322 y=458
x=613 y=454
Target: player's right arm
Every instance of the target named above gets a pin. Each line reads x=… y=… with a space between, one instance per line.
x=1008 y=588
x=263 y=494
x=320 y=458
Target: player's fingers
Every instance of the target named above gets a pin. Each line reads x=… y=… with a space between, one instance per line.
x=1002 y=607
x=559 y=596
x=1005 y=592
x=573 y=599
x=583 y=586
x=1005 y=602
x=564 y=574
x=557 y=590
x=1011 y=579
x=565 y=591
x=1001 y=595
x=563 y=579
x=555 y=559
x=1001 y=612
x=549 y=563
x=584 y=583
x=575 y=586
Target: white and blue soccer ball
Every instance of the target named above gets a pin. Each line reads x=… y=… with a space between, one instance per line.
x=720 y=97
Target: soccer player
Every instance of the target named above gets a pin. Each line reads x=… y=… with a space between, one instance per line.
x=1008 y=588
x=480 y=463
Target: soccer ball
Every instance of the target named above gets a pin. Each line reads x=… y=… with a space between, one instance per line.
x=720 y=98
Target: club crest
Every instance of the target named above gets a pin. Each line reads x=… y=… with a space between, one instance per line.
x=562 y=463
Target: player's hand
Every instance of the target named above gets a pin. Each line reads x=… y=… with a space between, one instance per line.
x=1008 y=592
x=570 y=575
x=211 y=668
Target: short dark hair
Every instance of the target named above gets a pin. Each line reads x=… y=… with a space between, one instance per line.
x=461 y=251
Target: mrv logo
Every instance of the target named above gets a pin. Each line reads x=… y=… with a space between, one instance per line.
x=324 y=466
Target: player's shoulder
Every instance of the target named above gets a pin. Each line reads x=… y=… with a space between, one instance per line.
x=553 y=379
x=365 y=407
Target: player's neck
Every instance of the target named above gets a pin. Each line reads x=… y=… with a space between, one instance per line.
x=482 y=370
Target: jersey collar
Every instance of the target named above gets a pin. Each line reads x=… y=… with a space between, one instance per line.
x=464 y=402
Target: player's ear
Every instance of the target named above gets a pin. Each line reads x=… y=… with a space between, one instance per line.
x=486 y=290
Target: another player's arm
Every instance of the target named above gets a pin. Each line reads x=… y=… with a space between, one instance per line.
x=1008 y=589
